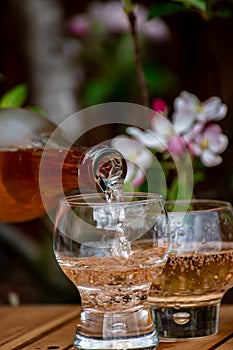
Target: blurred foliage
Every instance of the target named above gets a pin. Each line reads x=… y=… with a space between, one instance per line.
x=108 y=58
x=110 y=72
x=107 y=61
x=209 y=8
x=16 y=97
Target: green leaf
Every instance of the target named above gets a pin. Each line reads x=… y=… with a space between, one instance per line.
x=198 y=4
x=199 y=176
x=167 y=8
x=14 y=97
x=97 y=91
x=224 y=13
x=160 y=80
x=162 y=8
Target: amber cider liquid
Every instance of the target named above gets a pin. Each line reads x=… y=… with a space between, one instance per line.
x=111 y=282
x=194 y=279
x=20 y=198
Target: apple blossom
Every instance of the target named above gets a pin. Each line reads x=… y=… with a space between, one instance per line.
x=191 y=129
x=79 y=26
x=189 y=109
x=112 y=16
x=161 y=137
x=208 y=144
x=138 y=157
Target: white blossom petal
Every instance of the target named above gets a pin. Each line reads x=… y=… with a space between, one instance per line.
x=210 y=159
x=219 y=144
x=138 y=158
x=183 y=121
x=195 y=148
x=184 y=111
x=212 y=109
x=147 y=138
x=221 y=113
x=212 y=103
x=144 y=158
x=161 y=126
x=124 y=144
x=217 y=141
x=186 y=102
x=193 y=133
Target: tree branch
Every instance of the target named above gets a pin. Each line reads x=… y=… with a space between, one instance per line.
x=129 y=9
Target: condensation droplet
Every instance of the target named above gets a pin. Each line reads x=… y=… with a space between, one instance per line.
x=181 y=233
x=203 y=240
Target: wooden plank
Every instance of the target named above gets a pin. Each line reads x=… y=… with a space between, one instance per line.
x=53 y=327
x=61 y=338
x=15 y=321
x=26 y=323
x=195 y=344
x=227 y=345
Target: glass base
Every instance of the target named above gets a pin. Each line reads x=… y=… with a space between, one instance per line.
x=146 y=342
x=126 y=330
x=185 y=323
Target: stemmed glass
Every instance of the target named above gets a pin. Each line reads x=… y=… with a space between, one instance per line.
x=186 y=297
x=112 y=252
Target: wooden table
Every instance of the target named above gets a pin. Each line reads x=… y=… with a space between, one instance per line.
x=52 y=327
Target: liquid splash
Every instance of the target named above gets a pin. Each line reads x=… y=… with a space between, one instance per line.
x=110 y=175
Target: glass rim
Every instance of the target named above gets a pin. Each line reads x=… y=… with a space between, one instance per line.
x=214 y=205
x=87 y=199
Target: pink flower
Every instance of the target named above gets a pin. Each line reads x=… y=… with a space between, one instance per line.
x=79 y=26
x=208 y=144
x=112 y=15
x=161 y=137
x=156 y=29
x=156 y=137
x=159 y=105
x=188 y=109
x=176 y=145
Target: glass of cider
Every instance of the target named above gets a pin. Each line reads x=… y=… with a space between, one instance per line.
x=186 y=297
x=112 y=250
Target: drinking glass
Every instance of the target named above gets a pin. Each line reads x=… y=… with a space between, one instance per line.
x=112 y=252
x=186 y=297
